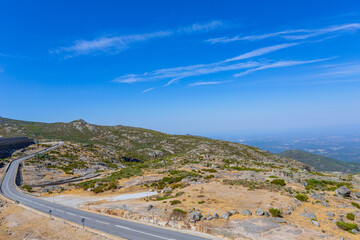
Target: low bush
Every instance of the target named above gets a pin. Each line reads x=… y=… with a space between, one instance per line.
x=347 y=226
x=273 y=176
x=301 y=197
x=350 y=216
x=174 y=202
x=201 y=202
x=179 y=210
x=355 y=204
x=27 y=188
x=275 y=212
x=280 y=182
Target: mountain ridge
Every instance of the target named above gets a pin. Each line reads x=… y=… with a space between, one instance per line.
x=321 y=163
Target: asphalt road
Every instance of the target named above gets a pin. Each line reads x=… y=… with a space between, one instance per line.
x=114 y=226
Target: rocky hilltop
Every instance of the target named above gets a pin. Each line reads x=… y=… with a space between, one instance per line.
x=139 y=143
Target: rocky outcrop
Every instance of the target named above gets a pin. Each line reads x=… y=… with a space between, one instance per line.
x=343 y=191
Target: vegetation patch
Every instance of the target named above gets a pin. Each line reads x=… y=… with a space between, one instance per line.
x=174 y=202
x=301 y=197
x=347 y=226
x=275 y=212
x=350 y=216
x=280 y=182
x=27 y=188
x=179 y=210
x=325 y=185
x=355 y=205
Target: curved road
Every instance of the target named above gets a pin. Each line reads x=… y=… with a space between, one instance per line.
x=114 y=226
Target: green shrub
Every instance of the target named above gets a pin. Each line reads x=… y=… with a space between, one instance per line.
x=273 y=176
x=174 y=202
x=347 y=226
x=280 y=182
x=209 y=170
x=275 y=212
x=355 y=204
x=179 y=210
x=27 y=188
x=301 y=197
x=201 y=202
x=209 y=177
x=350 y=216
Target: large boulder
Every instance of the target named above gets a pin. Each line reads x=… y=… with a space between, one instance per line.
x=195 y=216
x=343 y=191
x=259 y=212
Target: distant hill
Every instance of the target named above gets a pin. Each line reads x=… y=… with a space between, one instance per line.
x=321 y=163
x=145 y=144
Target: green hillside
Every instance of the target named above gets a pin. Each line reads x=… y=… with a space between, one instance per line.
x=146 y=144
x=321 y=163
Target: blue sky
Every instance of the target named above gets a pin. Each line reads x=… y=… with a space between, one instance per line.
x=200 y=67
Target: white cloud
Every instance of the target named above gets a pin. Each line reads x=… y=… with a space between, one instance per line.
x=204 y=83
x=175 y=74
x=201 y=27
x=119 y=43
x=261 y=51
x=149 y=89
x=341 y=70
x=296 y=34
x=279 y=64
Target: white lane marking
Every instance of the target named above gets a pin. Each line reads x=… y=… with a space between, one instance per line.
x=86 y=217
x=102 y=222
x=122 y=227
x=153 y=235
x=59 y=210
x=70 y=213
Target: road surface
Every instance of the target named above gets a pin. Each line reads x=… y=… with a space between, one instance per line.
x=110 y=225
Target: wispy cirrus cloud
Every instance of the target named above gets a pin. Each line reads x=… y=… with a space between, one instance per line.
x=341 y=70
x=261 y=51
x=204 y=83
x=280 y=64
x=296 y=34
x=115 y=44
x=148 y=90
x=175 y=74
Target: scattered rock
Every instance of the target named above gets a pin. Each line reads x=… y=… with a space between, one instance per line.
x=246 y=212
x=266 y=214
x=287 y=212
x=234 y=211
x=304 y=183
x=308 y=215
x=343 y=191
x=330 y=214
x=226 y=215
x=316 y=223
x=357 y=194
x=259 y=212
x=215 y=215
